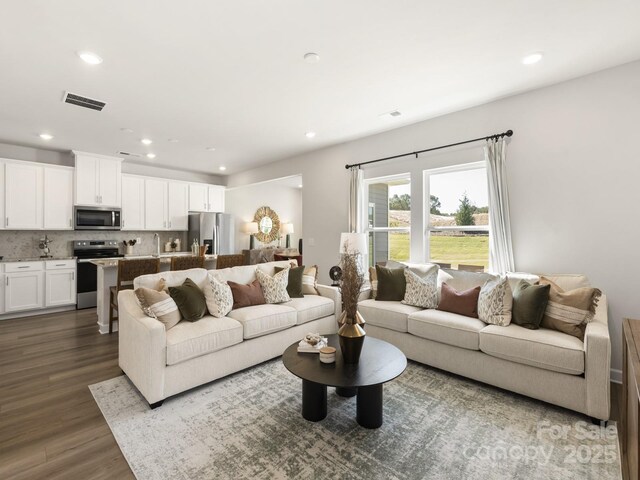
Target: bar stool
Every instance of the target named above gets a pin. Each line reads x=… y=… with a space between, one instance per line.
x=227 y=261
x=127 y=271
x=186 y=262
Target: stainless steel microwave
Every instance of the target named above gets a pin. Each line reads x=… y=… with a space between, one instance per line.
x=97 y=218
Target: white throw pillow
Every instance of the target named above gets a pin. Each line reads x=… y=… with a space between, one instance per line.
x=495 y=302
x=515 y=277
x=421 y=291
x=274 y=288
x=218 y=296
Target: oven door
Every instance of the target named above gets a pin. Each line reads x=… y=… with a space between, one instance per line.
x=97 y=218
x=86 y=284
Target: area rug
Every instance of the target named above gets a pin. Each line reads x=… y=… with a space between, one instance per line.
x=436 y=426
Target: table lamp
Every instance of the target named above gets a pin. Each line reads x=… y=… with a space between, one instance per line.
x=287 y=229
x=251 y=228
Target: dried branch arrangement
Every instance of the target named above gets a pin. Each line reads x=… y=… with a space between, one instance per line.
x=351 y=282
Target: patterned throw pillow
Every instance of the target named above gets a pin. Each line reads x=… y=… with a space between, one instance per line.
x=495 y=302
x=421 y=291
x=309 y=280
x=274 y=288
x=158 y=305
x=218 y=296
x=373 y=279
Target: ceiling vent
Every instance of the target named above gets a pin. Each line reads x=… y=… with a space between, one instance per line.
x=129 y=154
x=81 y=101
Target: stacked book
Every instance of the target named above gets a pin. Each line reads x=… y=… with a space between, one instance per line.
x=305 y=347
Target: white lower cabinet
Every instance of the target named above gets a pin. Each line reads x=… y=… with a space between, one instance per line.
x=24 y=291
x=60 y=287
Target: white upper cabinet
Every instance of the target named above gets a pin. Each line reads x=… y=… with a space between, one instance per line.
x=133 y=203
x=198 y=197
x=178 y=206
x=206 y=198
x=155 y=200
x=58 y=198
x=23 y=196
x=98 y=180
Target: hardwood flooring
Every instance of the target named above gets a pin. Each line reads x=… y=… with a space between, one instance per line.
x=50 y=426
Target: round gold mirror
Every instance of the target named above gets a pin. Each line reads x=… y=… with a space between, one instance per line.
x=268 y=224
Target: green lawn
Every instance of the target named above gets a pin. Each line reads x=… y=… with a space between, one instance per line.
x=471 y=250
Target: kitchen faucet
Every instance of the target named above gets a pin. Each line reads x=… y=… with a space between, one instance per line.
x=156 y=237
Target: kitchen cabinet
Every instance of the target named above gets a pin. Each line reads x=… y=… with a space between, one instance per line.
x=156 y=208
x=23 y=196
x=98 y=180
x=178 y=208
x=60 y=283
x=2 y=201
x=133 y=203
x=24 y=286
x=206 y=198
x=58 y=198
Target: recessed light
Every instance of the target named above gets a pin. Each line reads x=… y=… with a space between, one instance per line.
x=173 y=140
x=90 y=58
x=393 y=113
x=311 y=57
x=310 y=134
x=222 y=168
x=151 y=155
x=46 y=136
x=211 y=149
x=126 y=130
x=146 y=141
x=532 y=58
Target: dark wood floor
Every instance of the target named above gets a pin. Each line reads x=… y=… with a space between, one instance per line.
x=50 y=426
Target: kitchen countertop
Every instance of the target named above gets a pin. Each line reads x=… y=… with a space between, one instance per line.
x=35 y=259
x=164 y=258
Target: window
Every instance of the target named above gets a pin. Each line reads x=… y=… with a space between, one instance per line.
x=457 y=233
x=389 y=218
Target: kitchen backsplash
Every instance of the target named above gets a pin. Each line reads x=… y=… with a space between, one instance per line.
x=23 y=244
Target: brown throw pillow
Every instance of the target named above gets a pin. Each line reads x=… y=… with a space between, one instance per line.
x=463 y=303
x=569 y=312
x=391 y=284
x=246 y=295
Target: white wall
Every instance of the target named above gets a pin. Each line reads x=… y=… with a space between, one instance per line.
x=242 y=203
x=573 y=167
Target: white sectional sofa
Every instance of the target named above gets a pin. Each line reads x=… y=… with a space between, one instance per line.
x=162 y=363
x=543 y=364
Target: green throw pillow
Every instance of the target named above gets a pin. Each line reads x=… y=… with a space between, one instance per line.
x=190 y=300
x=294 y=285
x=529 y=304
x=391 y=284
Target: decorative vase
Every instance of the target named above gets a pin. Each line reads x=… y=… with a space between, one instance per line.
x=351 y=336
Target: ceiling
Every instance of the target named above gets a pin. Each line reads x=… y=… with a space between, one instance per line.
x=230 y=74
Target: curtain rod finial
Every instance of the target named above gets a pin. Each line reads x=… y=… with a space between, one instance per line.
x=509 y=133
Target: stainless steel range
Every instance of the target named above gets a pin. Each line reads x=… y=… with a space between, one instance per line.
x=87 y=283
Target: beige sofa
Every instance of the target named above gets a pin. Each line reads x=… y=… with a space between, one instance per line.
x=163 y=363
x=543 y=364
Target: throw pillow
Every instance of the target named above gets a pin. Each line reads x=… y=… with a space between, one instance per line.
x=495 y=302
x=463 y=303
x=246 y=295
x=421 y=291
x=159 y=305
x=373 y=280
x=190 y=300
x=274 y=288
x=218 y=297
x=294 y=284
x=391 y=284
x=309 y=280
x=462 y=280
x=569 y=312
x=529 y=303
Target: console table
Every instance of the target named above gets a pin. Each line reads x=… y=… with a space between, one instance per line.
x=630 y=418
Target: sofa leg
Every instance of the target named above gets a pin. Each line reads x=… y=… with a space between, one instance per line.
x=153 y=406
x=598 y=422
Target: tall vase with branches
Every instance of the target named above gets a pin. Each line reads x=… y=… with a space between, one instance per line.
x=351 y=334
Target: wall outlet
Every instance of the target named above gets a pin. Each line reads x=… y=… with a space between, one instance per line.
x=138 y=240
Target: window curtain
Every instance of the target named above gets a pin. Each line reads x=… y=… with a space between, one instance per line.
x=356 y=201
x=500 y=247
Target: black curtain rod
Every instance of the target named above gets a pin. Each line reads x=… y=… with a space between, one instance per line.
x=508 y=133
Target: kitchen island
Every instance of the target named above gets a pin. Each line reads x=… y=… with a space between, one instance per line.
x=108 y=275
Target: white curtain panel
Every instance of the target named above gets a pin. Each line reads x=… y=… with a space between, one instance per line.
x=500 y=247
x=356 y=200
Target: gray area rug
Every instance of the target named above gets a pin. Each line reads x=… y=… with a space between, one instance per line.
x=436 y=426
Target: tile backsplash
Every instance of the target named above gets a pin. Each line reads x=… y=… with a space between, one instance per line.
x=23 y=244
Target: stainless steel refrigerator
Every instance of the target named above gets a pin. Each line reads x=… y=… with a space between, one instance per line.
x=213 y=229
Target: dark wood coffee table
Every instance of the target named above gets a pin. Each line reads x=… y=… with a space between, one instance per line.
x=380 y=362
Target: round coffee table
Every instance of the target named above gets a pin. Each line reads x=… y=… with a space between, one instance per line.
x=380 y=362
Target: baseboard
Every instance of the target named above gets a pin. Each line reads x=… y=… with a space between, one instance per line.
x=616 y=375
x=34 y=313
x=105 y=328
